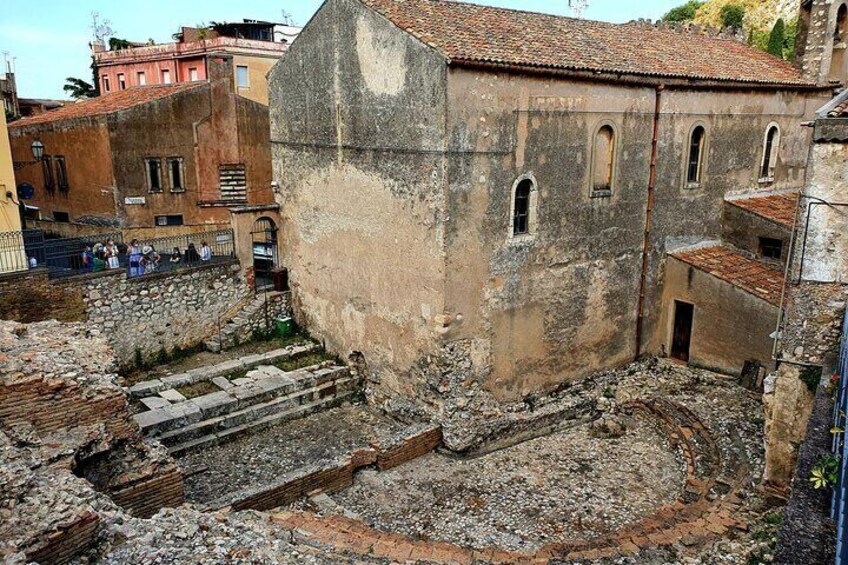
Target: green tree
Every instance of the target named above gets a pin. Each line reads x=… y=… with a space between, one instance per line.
x=684 y=13
x=732 y=15
x=777 y=39
x=78 y=88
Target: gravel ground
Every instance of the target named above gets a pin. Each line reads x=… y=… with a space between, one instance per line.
x=524 y=496
x=261 y=458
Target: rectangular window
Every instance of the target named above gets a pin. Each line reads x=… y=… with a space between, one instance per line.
x=63 y=217
x=242 y=76
x=771 y=248
x=142 y=79
x=122 y=81
x=166 y=76
x=154 y=174
x=192 y=74
x=61 y=173
x=105 y=83
x=47 y=170
x=175 y=220
x=176 y=174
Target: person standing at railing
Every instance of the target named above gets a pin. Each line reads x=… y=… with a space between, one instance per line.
x=135 y=258
x=87 y=259
x=191 y=255
x=205 y=251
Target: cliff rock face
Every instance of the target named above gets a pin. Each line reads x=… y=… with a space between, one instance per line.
x=759 y=14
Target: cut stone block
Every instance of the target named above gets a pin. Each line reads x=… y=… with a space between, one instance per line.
x=215 y=404
x=242 y=382
x=146 y=388
x=155 y=402
x=222 y=383
x=172 y=395
x=181 y=379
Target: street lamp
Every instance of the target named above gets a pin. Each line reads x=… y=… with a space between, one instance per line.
x=37 y=153
x=37 y=150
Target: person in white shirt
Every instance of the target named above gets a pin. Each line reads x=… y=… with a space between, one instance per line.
x=205 y=251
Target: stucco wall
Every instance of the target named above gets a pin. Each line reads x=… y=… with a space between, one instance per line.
x=258 y=68
x=730 y=325
x=743 y=229
x=357 y=125
x=86 y=147
x=9 y=217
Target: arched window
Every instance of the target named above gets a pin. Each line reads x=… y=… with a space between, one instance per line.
x=695 y=162
x=841 y=20
x=521 y=207
x=771 y=146
x=603 y=161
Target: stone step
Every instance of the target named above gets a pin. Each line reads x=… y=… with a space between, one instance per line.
x=259 y=424
x=222 y=416
x=262 y=385
x=155 y=386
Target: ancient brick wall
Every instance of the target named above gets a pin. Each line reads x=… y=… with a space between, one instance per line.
x=31 y=297
x=145 y=316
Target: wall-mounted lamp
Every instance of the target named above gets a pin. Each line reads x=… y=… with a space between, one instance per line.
x=37 y=152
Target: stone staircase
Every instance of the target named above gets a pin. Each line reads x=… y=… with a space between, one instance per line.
x=235 y=405
x=257 y=315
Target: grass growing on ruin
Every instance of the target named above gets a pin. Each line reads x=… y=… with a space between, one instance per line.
x=198 y=389
x=308 y=360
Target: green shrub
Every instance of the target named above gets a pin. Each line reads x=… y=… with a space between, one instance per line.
x=825 y=474
x=811 y=376
x=777 y=39
x=733 y=15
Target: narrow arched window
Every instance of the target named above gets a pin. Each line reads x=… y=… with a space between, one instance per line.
x=521 y=208
x=603 y=161
x=695 y=163
x=771 y=146
x=841 y=20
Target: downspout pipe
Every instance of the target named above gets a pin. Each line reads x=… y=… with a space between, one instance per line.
x=649 y=222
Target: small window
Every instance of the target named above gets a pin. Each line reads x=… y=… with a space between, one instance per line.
x=521 y=208
x=771 y=146
x=175 y=220
x=105 y=83
x=176 y=174
x=771 y=248
x=47 y=171
x=192 y=74
x=154 y=174
x=63 y=217
x=242 y=77
x=694 y=164
x=166 y=76
x=603 y=162
x=142 y=79
x=122 y=81
x=61 y=173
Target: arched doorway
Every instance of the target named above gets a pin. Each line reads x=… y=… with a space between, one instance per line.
x=264 y=235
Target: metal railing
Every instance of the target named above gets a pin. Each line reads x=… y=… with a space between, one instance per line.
x=67 y=257
x=839 y=506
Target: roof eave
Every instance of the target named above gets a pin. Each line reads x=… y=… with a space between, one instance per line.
x=630 y=77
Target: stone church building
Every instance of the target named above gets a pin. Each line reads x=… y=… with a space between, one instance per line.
x=480 y=195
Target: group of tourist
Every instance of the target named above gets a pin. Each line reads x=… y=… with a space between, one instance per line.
x=141 y=259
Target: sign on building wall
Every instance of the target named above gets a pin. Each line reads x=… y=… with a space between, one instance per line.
x=135 y=200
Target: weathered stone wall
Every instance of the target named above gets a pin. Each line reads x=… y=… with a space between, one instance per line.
x=743 y=230
x=30 y=296
x=162 y=311
x=357 y=128
x=730 y=326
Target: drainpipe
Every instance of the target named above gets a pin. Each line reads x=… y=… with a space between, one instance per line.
x=649 y=221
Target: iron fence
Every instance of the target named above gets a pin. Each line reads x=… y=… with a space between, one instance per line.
x=839 y=507
x=66 y=257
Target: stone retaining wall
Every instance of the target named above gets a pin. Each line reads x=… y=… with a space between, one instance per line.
x=30 y=296
x=338 y=474
x=162 y=312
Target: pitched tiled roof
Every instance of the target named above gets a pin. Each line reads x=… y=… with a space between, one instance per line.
x=467 y=33
x=839 y=111
x=778 y=208
x=108 y=103
x=737 y=269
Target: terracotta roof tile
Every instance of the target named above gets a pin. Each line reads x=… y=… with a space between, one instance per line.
x=737 y=269
x=108 y=103
x=839 y=111
x=467 y=33
x=778 y=208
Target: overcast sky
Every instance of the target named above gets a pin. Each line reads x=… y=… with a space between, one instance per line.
x=49 y=39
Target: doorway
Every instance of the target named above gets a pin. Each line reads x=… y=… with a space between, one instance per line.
x=264 y=235
x=681 y=339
